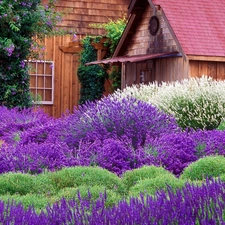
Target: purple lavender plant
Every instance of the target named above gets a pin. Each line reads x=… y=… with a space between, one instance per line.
x=35 y=158
x=111 y=154
x=14 y=121
x=113 y=118
x=189 y=205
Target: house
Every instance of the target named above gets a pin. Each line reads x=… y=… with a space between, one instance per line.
x=54 y=79
x=168 y=40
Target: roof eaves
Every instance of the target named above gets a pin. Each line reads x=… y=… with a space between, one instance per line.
x=174 y=36
x=124 y=35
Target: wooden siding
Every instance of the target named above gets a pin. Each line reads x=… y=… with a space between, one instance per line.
x=66 y=83
x=82 y=13
x=65 y=56
x=209 y=68
x=170 y=69
x=161 y=70
x=141 y=42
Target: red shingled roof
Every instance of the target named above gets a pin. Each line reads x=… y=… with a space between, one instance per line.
x=199 y=25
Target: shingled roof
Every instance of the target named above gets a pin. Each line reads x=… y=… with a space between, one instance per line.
x=199 y=25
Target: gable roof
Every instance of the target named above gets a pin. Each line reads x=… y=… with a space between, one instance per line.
x=198 y=25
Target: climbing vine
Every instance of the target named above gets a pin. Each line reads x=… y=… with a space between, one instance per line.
x=91 y=78
x=114 y=30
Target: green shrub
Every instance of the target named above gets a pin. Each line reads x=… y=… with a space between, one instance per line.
x=43 y=185
x=151 y=186
x=130 y=178
x=13 y=183
x=87 y=192
x=90 y=176
x=221 y=126
x=210 y=166
x=39 y=202
x=222 y=177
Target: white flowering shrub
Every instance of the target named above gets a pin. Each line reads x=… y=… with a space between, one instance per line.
x=195 y=102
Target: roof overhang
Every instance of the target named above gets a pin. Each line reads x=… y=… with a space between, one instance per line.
x=135 y=58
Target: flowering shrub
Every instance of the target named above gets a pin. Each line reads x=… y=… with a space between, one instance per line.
x=113 y=118
x=35 y=158
x=195 y=103
x=189 y=205
x=176 y=151
x=111 y=154
x=22 y=23
x=13 y=122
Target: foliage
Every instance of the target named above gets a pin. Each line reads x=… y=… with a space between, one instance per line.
x=151 y=185
x=195 y=103
x=78 y=176
x=221 y=125
x=114 y=30
x=23 y=24
x=13 y=183
x=115 y=77
x=91 y=78
x=91 y=193
x=189 y=205
x=130 y=178
x=210 y=166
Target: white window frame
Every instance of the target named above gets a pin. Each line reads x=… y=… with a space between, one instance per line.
x=35 y=74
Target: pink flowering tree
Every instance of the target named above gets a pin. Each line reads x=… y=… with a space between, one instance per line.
x=23 y=24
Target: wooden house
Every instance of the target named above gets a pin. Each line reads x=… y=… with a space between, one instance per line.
x=168 y=40
x=54 y=79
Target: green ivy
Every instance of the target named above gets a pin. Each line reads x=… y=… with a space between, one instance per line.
x=91 y=78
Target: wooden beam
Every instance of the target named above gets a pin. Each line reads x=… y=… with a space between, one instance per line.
x=206 y=58
x=74 y=48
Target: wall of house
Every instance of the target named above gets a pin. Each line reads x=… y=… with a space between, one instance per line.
x=209 y=68
x=65 y=56
x=142 y=42
x=161 y=70
x=171 y=69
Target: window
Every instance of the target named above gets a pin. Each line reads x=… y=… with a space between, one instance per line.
x=42 y=81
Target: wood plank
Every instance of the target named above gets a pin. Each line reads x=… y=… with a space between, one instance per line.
x=220 y=70
x=206 y=58
x=194 y=68
x=211 y=69
x=203 y=68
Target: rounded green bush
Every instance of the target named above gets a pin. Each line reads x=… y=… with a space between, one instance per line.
x=210 y=166
x=151 y=186
x=43 y=185
x=89 y=176
x=39 y=202
x=90 y=192
x=130 y=178
x=16 y=183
